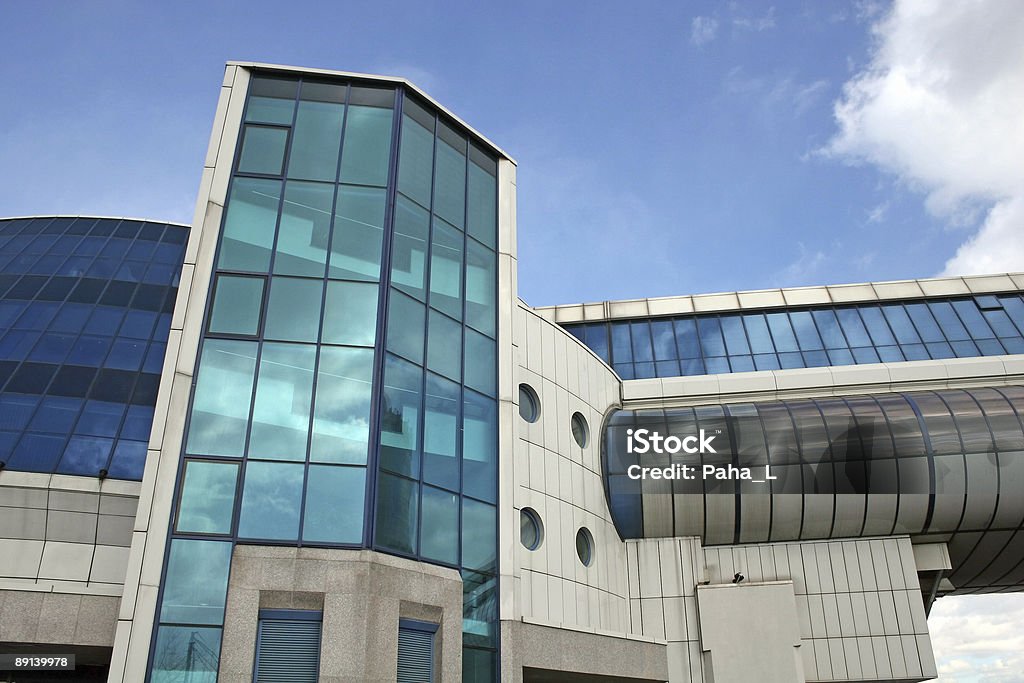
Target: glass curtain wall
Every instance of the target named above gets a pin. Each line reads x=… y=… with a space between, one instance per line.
x=332 y=405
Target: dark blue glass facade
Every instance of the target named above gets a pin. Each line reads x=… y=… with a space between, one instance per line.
x=705 y=344
x=85 y=310
x=346 y=384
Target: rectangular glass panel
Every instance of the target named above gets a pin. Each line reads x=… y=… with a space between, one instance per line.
x=446 y=269
x=479 y=435
x=444 y=346
x=271 y=498
x=409 y=248
x=439 y=530
x=640 y=332
x=400 y=416
x=828 y=326
x=597 y=340
x=735 y=337
x=237 y=302
x=249 y=226
x=479 y=542
x=878 y=328
x=405 y=327
x=397 y=513
x=925 y=323
x=972 y=319
x=280 y=418
x=482 y=205
x=479 y=363
x=441 y=433
x=1000 y=323
x=949 y=321
x=686 y=338
x=758 y=334
x=900 y=324
x=171 y=658
x=293 y=313
x=263 y=150
x=207 y=497
x=853 y=328
x=663 y=339
x=367 y=150
x=622 y=346
x=711 y=342
x=358 y=233
x=186 y=600
x=316 y=141
x=350 y=313
x=450 y=183
x=415 y=161
x=334 y=504
x=341 y=425
x=481 y=276
x=220 y=408
x=305 y=229
x=806 y=332
x=782 y=333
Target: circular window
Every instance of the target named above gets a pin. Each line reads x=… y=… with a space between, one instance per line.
x=585 y=546
x=531 y=531
x=580 y=431
x=529 y=404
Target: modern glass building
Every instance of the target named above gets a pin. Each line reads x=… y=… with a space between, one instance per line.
x=318 y=437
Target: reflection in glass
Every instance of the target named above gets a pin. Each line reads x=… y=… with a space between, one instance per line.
x=440 y=526
x=280 y=417
x=367 y=148
x=400 y=414
x=350 y=313
x=305 y=229
x=440 y=432
x=220 y=408
x=479 y=425
x=187 y=601
x=358 y=233
x=334 y=504
x=397 y=503
x=262 y=150
x=207 y=497
x=480 y=282
x=409 y=248
x=293 y=313
x=249 y=226
x=186 y=653
x=236 y=305
x=341 y=426
x=315 y=141
x=271 y=498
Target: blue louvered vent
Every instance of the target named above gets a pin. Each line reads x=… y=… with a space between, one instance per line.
x=415 y=656
x=289 y=651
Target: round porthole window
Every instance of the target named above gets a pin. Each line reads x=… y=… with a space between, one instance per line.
x=585 y=546
x=529 y=404
x=531 y=530
x=580 y=430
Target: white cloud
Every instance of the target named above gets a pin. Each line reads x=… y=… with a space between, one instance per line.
x=978 y=638
x=802 y=270
x=703 y=30
x=753 y=23
x=940 y=106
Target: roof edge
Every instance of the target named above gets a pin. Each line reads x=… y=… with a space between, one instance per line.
x=108 y=218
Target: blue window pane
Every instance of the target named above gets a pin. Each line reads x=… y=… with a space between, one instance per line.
x=965 y=349
x=444 y=346
x=71 y=318
x=806 y=332
x=1013 y=344
x=263 y=150
x=865 y=355
x=990 y=347
x=405 y=327
x=644 y=370
x=154 y=358
x=137 y=423
x=52 y=347
x=925 y=323
x=715 y=366
x=237 y=302
x=37 y=453
x=249 y=227
x=691 y=366
x=828 y=327
x=439 y=530
x=987 y=301
x=782 y=333
x=341 y=425
x=126 y=354
x=416 y=160
x=791 y=360
x=446 y=269
x=641 y=340
x=480 y=363
x=334 y=504
x=187 y=601
x=270 y=107
x=900 y=324
x=596 y=337
x=316 y=139
x=711 y=342
x=207 y=498
x=397 y=513
x=479 y=536
x=271 y=497
x=735 y=336
x=220 y=408
x=758 y=334
x=741 y=363
x=441 y=432
x=1001 y=323
x=840 y=357
x=663 y=339
x=350 y=313
x=281 y=413
x=175 y=656
x=293 y=312
x=358 y=233
x=687 y=340
x=450 y=182
x=17 y=344
x=138 y=324
x=56 y=414
x=624 y=370
x=128 y=461
x=815 y=359
x=304 y=231
x=940 y=350
x=766 y=361
x=85 y=455
x=100 y=418
x=400 y=418
x=409 y=248
x=889 y=354
x=622 y=346
x=1014 y=307
x=367 y=146
x=479 y=443
x=481 y=276
x=16 y=410
x=104 y=320
x=877 y=327
x=972 y=319
x=482 y=210
x=667 y=368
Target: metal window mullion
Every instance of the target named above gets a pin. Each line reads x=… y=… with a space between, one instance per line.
x=1020 y=527
x=896 y=459
x=831 y=457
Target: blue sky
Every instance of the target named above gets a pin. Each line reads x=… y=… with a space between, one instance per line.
x=663 y=148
